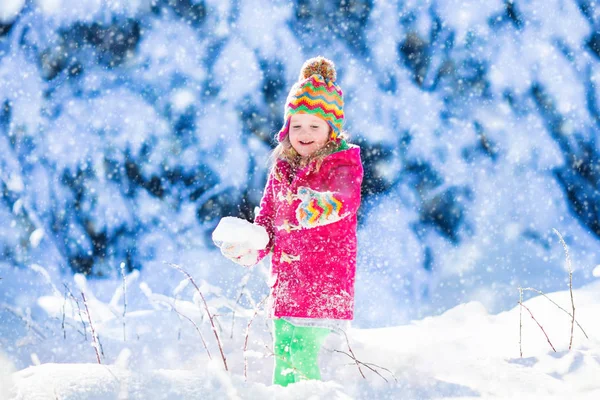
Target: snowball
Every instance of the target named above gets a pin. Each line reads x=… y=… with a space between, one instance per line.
x=240 y=231
x=596 y=271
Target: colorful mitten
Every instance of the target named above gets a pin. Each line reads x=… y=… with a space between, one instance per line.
x=317 y=208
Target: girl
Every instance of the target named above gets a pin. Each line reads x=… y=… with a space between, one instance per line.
x=309 y=212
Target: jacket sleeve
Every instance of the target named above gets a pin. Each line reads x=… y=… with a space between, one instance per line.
x=338 y=198
x=266 y=216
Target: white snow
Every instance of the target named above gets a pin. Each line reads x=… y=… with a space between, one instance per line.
x=9 y=9
x=6 y=370
x=464 y=353
x=240 y=231
x=153 y=350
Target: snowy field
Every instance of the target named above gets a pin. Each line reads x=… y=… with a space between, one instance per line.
x=465 y=353
x=480 y=121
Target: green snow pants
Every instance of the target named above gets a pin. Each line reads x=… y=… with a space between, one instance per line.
x=296 y=352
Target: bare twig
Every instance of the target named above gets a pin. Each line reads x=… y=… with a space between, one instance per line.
x=553 y=302
x=216 y=318
x=233 y=314
x=78 y=309
x=570 y=283
x=520 y=321
x=536 y=321
x=67 y=323
x=63 y=316
x=92 y=328
x=101 y=347
x=570 y=314
x=237 y=301
x=295 y=370
x=124 y=299
x=256 y=309
x=353 y=356
x=370 y=366
x=197 y=329
x=28 y=322
x=206 y=309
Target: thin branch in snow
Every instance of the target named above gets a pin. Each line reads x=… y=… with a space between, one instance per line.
x=570 y=314
x=570 y=283
x=370 y=366
x=67 y=323
x=353 y=356
x=358 y=363
x=195 y=326
x=199 y=332
x=124 y=299
x=64 y=307
x=520 y=321
x=27 y=320
x=233 y=313
x=556 y=304
x=218 y=322
x=256 y=309
x=101 y=347
x=95 y=341
x=237 y=301
x=78 y=309
x=206 y=309
x=536 y=321
x=292 y=369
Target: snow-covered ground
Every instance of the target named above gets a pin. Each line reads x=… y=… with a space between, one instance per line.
x=476 y=139
x=464 y=353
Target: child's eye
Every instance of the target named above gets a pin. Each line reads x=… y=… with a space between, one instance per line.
x=314 y=126
x=296 y=126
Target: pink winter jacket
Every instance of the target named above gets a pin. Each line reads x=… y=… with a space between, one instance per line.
x=311 y=221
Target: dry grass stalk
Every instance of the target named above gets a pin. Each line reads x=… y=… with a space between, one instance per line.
x=570 y=314
x=541 y=327
x=78 y=310
x=197 y=329
x=352 y=354
x=94 y=338
x=370 y=366
x=556 y=304
x=570 y=284
x=124 y=299
x=256 y=309
x=520 y=321
x=210 y=317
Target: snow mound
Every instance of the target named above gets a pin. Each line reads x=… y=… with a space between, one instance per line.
x=5 y=377
x=99 y=382
x=463 y=353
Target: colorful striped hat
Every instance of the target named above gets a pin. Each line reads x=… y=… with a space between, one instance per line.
x=316 y=93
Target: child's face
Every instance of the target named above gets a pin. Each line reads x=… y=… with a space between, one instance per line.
x=308 y=133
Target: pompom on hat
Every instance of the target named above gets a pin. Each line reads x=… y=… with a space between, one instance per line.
x=316 y=93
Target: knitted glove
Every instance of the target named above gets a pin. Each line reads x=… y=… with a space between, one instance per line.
x=240 y=254
x=317 y=208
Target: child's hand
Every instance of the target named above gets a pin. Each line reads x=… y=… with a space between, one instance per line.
x=317 y=208
x=240 y=254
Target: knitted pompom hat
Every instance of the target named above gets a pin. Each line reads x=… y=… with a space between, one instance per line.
x=315 y=93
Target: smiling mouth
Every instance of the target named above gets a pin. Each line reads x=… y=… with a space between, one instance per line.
x=306 y=143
